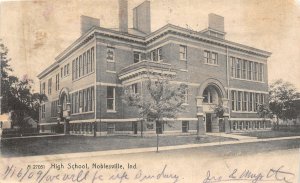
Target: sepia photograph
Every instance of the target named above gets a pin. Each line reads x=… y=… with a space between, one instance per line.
x=152 y=91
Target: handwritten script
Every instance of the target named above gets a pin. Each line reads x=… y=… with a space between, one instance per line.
x=272 y=175
x=93 y=176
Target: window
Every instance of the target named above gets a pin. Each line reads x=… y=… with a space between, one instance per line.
x=183 y=52
x=61 y=72
x=110 y=55
x=73 y=69
x=239 y=101
x=110 y=98
x=153 y=55
x=245 y=101
x=238 y=68
x=43 y=88
x=250 y=70
x=49 y=85
x=206 y=56
x=76 y=103
x=250 y=107
x=92 y=103
x=156 y=55
x=110 y=60
x=257 y=101
x=214 y=58
x=80 y=67
x=68 y=69
x=84 y=106
x=110 y=128
x=260 y=72
x=244 y=69
x=57 y=82
x=43 y=111
x=134 y=88
x=262 y=99
x=186 y=96
x=136 y=57
x=232 y=60
x=88 y=60
x=77 y=69
x=210 y=57
x=54 y=108
x=92 y=59
x=255 y=71
x=233 y=100
x=159 y=54
x=185 y=126
x=208 y=98
x=65 y=70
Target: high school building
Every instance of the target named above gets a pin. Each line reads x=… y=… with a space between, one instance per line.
x=84 y=84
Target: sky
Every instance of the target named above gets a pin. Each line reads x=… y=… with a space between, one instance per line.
x=35 y=32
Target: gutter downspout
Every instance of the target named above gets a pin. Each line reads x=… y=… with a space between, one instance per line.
x=95 y=91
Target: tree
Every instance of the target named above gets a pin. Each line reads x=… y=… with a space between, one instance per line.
x=219 y=110
x=281 y=103
x=163 y=101
x=17 y=93
x=24 y=98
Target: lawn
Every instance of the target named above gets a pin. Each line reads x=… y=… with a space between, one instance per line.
x=75 y=144
x=270 y=134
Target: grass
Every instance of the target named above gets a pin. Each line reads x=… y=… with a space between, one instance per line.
x=270 y=134
x=75 y=144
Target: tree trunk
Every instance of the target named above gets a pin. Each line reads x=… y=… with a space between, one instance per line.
x=142 y=127
x=95 y=129
x=157 y=141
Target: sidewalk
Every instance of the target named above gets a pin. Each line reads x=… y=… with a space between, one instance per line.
x=241 y=140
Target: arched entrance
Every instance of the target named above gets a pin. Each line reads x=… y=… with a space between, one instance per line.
x=64 y=108
x=212 y=94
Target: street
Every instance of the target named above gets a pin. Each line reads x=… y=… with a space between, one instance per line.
x=274 y=161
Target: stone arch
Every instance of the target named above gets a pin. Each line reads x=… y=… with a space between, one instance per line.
x=215 y=83
x=64 y=92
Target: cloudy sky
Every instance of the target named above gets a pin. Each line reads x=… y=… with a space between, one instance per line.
x=37 y=31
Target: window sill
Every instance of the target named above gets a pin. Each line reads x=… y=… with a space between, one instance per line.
x=185 y=104
x=247 y=80
x=183 y=70
x=184 y=60
x=249 y=112
x=108 y=71
x=111 y=111
x=89 y=112
x=111 y=61
x=216 y=65
x=83 y=76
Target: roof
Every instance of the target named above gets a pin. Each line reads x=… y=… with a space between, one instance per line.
x=140 y=37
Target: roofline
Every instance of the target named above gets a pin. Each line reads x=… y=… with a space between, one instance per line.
x=205 y=37
x=152 y=36
x=47 y=70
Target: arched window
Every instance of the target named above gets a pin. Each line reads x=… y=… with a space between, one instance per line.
x=208 y=96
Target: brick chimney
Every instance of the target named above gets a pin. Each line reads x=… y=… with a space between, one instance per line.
x=87 y=23
x=141 y=17
x=123 y=15
x=216 y=22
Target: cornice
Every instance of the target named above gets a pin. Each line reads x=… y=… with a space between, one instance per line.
x=144 y=41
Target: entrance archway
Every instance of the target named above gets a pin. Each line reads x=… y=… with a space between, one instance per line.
x=212 y=93
x=64 y=108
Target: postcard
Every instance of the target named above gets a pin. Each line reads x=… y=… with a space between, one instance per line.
x=146 y=91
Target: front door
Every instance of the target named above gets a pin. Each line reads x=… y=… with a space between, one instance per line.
x=208 y=122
